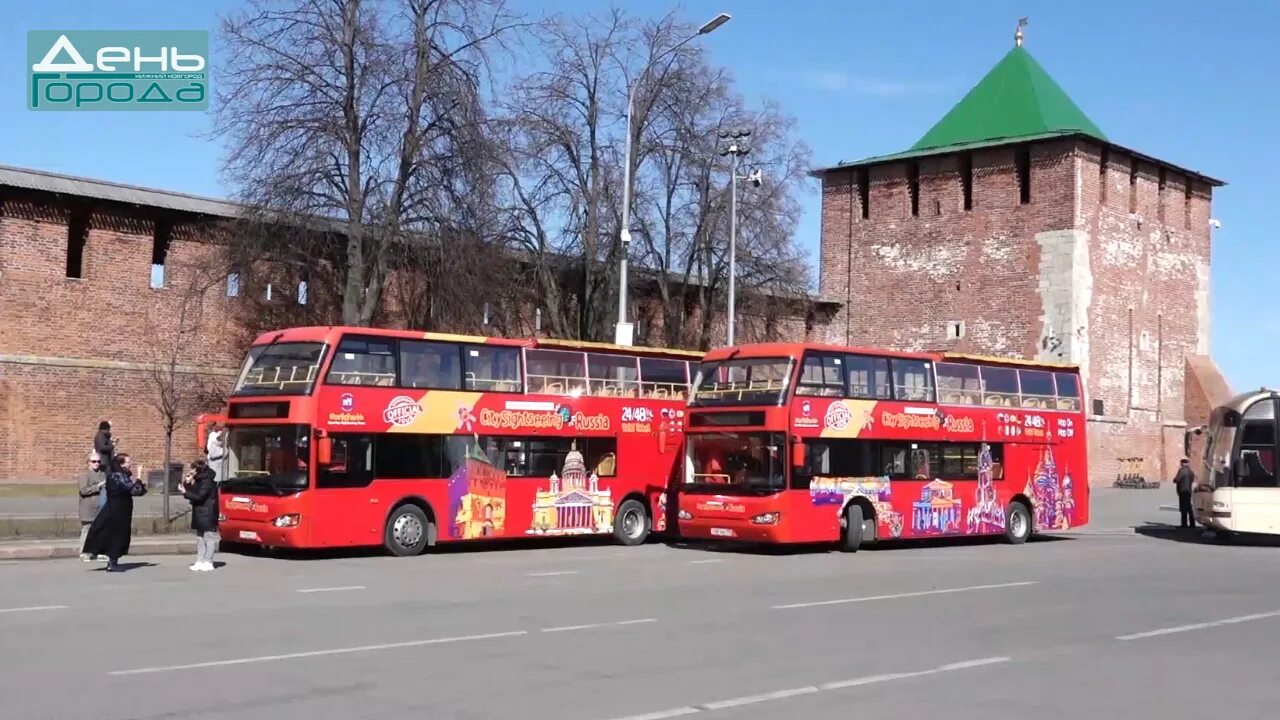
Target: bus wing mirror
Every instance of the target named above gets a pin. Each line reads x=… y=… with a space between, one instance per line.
x=324 y=450
x=799 y=453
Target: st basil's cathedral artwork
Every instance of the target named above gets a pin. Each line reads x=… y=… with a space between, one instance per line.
x=574 y=503
x=1052 y=496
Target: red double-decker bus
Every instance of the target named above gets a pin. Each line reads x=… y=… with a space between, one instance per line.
x=351 y=436
x=808 y=443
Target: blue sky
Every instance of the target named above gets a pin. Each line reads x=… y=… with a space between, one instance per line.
x=1184 y=81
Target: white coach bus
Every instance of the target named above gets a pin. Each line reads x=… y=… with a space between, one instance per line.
x=1236 y=489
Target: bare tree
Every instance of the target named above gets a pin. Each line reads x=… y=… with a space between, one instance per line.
x=179 y=388
x=561 y=180
x=364 y=113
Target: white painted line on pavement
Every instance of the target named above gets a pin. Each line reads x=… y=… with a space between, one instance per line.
x=812 y=689
x=343 y=588
x=1199 y=626
x=554 y=574
x=590 y=626
x=705 y=562
x=320 y=653
x=34 y=608
x=896 y=596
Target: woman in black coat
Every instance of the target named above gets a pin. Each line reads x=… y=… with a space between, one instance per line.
x=202 y=492
x=113 y=527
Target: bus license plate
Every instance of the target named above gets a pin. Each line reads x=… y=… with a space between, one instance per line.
x=722 y=532
x=249 y=535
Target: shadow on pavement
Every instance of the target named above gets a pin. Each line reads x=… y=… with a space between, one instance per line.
x=1200 y=536
x=447 y=548
x=720 y=546
x=127 y=566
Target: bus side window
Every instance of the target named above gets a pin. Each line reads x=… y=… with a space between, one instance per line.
x=351 y=462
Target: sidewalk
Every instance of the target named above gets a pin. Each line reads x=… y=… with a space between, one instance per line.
x=49 y=549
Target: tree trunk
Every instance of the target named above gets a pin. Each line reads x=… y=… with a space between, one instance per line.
x=168 y=458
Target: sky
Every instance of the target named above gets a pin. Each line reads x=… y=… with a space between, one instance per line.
x=1185 y=81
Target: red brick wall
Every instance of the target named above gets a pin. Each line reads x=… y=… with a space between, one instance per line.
x=904 y=278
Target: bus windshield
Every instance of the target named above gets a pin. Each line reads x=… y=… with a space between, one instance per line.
x=728 y=463
x=742 y=381
x=269 y=459
x=287 y=368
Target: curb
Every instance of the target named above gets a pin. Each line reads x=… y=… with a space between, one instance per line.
x=59 y=552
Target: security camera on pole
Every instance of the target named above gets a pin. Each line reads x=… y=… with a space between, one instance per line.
x=622 y=334
x=736 y=149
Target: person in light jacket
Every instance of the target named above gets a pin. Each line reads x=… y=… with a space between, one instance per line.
x=216 y=451
x=91 y=496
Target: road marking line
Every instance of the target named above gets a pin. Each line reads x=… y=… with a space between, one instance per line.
x=896 y=596
x=589 y=626
x=320 y=653
x=1199 y=626
x=811 y=689
x=554 y=574
x=332 y=589
x=704 y=562
x=34 y=608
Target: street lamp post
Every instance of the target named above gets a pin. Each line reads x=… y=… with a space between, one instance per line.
x=622 y=333
x=736 y=149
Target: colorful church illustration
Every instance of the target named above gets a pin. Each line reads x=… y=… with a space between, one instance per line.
x=836 y=491
x=477 y=498
x=574 y=504
x=986 y=515
x=937 y=510
x=1051 y=495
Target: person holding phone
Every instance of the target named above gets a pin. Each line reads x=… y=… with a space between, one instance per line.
x=201 y=490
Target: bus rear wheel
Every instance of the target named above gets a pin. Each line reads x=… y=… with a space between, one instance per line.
x=407 y=531
x=1017 y=523
x=631 y=526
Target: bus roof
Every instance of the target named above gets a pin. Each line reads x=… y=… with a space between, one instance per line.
x=760 y=350
x=320 y=333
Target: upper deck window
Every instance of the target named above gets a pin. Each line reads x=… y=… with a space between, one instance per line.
x=557 y=372
x=286 y=368
x=959 y=384
x=912 y=380
x=664 y=378
x=968 y=384
x=613 y=375
x=742 y=381
x=432 y=365
x=492 y=368
x=363 y=360
x=822 y=374
x=868 y=377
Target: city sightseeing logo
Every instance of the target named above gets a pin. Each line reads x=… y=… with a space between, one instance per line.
x=402 y=410
x=348 y=402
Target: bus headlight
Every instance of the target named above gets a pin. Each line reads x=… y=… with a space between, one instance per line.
x=685 y=515
x=769 y=518
x=291 y=520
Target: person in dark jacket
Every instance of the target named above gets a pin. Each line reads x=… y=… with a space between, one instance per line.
x=1183 y=482
x=105 y=446
x=113 y=527
x=202 y=492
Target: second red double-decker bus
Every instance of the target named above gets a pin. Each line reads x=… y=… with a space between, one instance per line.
x=811 y=444
x=354 y=436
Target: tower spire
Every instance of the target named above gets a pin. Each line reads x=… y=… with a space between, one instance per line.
x=1017 y=34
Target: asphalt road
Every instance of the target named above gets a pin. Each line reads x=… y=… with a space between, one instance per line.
x=1103 y=625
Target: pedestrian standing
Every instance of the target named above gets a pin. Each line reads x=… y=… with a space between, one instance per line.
x=202 y=492
x=105 y=445
x=216 y=451
x=113 y=527
x=91 y=496
x=1183 y=482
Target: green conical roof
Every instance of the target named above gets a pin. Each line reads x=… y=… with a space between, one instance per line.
x=1017 y=99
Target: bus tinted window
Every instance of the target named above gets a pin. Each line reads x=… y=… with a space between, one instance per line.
x=545 y=456
x=351 y=462
x=405 y=455
x=1037 y=388
x=822 y=374
x=556 y=372
x=868 y=377
x=748 y=381
x=959 y=384
x=999 y=386
x=492 y=368
x=1068 y=385
x=363 y=361
x=664 y=378
x=430 y=365
x=912 y=380
x=287 y=368
x=613 y=375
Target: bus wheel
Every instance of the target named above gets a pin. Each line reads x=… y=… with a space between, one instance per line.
x=851 y=539
x=407 y=531
x=1017 y=526
x=631 y=526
